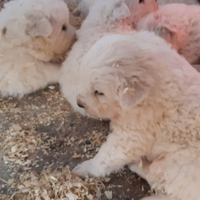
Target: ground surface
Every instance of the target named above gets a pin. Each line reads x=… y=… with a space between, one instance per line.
x=41 y=132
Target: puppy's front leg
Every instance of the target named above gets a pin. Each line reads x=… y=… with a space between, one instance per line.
x=112 y=156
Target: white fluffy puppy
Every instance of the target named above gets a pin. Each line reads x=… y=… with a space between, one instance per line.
x=179 y=25
x=151 y=95
x=105 y=17
x=136 y=6
x=83 y=7
x=34 y=34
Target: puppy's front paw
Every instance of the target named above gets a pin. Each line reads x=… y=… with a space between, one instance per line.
x=82 y=169
x=89 y=167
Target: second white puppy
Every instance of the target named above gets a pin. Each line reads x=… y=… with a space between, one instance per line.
x=151 y=95
x=135 y=7
x=177 y=23
x=105 y=17
x=83 y=7
x=34 y=35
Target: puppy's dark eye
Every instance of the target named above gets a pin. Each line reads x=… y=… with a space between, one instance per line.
x=141 y=1
x=64 y=27
x=98 y=93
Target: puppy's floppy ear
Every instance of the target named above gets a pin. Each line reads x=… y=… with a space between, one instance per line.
x=38 y=24
x=132 y=92
x=121 y=11
x=167 y=33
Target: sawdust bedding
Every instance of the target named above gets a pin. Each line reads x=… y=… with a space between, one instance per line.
x=42 y=138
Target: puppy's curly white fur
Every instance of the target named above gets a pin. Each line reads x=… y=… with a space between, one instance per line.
x=151 y=95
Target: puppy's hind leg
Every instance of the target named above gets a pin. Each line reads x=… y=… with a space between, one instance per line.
x=177 y=174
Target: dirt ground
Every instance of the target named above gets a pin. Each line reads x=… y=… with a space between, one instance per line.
x=41 y=131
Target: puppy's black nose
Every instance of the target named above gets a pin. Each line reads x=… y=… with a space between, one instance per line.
x=80 y=105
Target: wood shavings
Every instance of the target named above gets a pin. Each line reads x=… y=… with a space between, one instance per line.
x=142 y=188
x=108 y=194
x=115 y=64
x=106 y=179
x=19 y=143
x=140 y=164
x=51 y=87
x=130 y=90
x=56 y=185
x=92 y=142
x=76 y=156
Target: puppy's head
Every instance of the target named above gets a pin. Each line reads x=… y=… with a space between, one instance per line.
x=118 y=75
x=109 y=11
x=41 y=26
